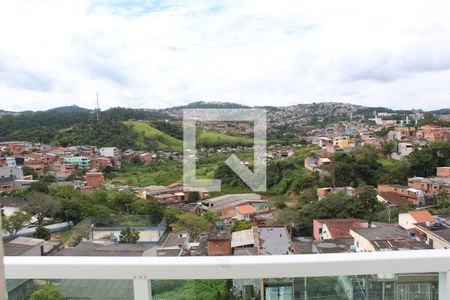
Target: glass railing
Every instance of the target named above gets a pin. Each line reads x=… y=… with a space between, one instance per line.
x=402 y=275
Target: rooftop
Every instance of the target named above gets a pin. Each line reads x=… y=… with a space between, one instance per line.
x=339 y=228
x=339 y=245
x=422 y=216
x=382 y=231
x=101 y=249
x=225 y=201
x=274 y=240
x=176 y=240
x=245 y=209
x=220 y=232
x=242 y=238
x=394 y=198
x=21 y=245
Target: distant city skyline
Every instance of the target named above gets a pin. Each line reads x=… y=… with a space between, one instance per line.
x=157 y=54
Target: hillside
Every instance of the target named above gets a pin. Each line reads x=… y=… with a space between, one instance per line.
x=69 y=109
x=212 y=138
x=151 y=138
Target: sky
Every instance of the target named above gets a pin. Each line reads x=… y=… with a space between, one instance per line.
x=156 y=54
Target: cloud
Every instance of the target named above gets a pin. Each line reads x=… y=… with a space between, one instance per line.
x=19 y=76
x=160 y=53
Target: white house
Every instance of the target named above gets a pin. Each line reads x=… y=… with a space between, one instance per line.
x=109 y=151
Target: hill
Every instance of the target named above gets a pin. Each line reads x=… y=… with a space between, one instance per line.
x=208 y=138
x=70 y=109
x=212 y=104
x=150 y=138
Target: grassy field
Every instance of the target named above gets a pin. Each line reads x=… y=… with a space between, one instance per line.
x=64 y=235
x=206 y=137
x=154 y=139
x=160 y=172
x=164 y=172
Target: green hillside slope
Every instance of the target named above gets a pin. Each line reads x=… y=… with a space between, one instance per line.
x=152 y=139
x=212 y=138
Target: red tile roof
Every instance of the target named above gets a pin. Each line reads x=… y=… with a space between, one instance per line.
x=394 y=198
x=245 y=209
x=339 y=228
x=422 y=216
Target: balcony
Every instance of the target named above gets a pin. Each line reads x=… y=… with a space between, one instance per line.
x=143 y=272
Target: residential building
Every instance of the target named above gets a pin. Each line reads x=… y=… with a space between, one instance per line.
x=402 y=133
x=443 y=172
x=18 y=147
x=393 y=199
x=342 y=142
x=385 y=237
x=403 y=150
x=409 y=220
x=320 y=165
x=24 y=246
x=105 y=248
x=81 y=162
x=225 y=206
x=430 y=185
x=276 y=240
x=349 y=191
x=243 y=241
x=328 y=229
x=414 y=196
x=14 y=172
x=94 y=179
x=434 y=133
x=219 y=240
x=109 y=151
x=437 y=232
x=6 y=184
x=176 y=240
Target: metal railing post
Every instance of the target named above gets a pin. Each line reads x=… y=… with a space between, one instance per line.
x=142 y=289
x=3 y=291
x=444 y=285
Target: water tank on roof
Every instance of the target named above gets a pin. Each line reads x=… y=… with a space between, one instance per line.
x=438 y=224
x=413 y=234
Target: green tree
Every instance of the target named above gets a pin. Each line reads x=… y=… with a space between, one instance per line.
x=388 y=148
x=369 y=204
x=41 y=206
x=209 y=216
x=442 y=198
x=172 y=214
x=424 y=161
x=361 y=166
x=192 y=223
x=241 y=225
x=128 y=236
x=150 y=208
x=47 y=292
x=121 y=200
x=39 y=186
x=15 y=222
x=41 y=233
x=193 y=197
x=29 y=171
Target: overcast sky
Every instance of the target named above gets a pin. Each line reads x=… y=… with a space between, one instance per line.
x=164 y=53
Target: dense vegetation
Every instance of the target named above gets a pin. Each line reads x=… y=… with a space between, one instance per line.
x=103 y=133
x=39 y=126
